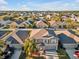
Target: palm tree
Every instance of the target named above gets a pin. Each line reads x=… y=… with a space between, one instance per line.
x=29 y=47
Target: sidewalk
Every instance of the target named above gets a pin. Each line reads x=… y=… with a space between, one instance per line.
x=52 y=55
x=16 y=54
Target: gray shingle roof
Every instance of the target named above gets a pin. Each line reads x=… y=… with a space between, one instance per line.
x=12 y=40
x=23 y=34
x=65 y=39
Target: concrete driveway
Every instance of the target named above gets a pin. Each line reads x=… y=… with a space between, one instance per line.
x=70 y=52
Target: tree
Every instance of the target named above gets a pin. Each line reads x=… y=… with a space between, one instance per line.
x=2 y=45
x=8 y=18
x=57 y=18
x=29 y=47
x=70 y=23
x=5 y=18
x=25 y=18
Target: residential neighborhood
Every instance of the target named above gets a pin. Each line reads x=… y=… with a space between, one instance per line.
x=39 y=29
x=39 y=19
x=39 y=35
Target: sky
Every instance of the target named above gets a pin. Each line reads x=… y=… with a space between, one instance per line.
x=42 y=5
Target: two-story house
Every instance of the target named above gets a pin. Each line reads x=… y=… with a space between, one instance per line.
x=46 y=39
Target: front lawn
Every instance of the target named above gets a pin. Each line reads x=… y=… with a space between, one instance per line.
x=62 y=54
x=22 y=56
x=38 y=57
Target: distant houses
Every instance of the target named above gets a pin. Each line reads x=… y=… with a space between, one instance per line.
x=41 y=24
x=53 y=24
x=13 y=25
x=42 y=19
x=19 y=24
x=39 y=20
x=4 y=23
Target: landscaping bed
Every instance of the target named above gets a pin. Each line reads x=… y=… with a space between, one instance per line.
x=22 y=56
x=38 y=57
x=62 y=54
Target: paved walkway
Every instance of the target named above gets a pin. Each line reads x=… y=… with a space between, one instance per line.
x=16 y=54
x=70 y=52
x=52 y=55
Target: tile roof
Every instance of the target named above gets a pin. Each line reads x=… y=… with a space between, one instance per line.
x=42 y=33
x=41 y=23
x=52 y=22
x=38 y=33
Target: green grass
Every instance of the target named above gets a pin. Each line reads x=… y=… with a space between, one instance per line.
x=38 y=58
x=22 y=56
x=62 y=54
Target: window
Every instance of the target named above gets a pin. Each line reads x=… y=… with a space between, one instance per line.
x=53 y=41
x=49 y=41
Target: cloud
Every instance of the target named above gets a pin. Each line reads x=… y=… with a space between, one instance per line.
x=21 y=8
x=45 y=5
x=55 y=6
x=77 y=1
x=3 y=2
x=3 y=5
x=24 y=7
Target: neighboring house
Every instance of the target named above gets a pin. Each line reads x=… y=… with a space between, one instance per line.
x=4 y=23
x=25 y=24
x=77 y=28
x=11 y=40
x=2 y=33
x=30 y=22
x=13 y=25
x=41 y=18
x=62 y=25
x=1 y=25
x=17 y=36
x=52 y=23
x=48 y=16
x=55 y=24
x=23 y=34
x=73 y=19
x=41 y=24
x=45 y=37
x=20 y=24
x=67 y=41
x=18 y=21
x=77 y=18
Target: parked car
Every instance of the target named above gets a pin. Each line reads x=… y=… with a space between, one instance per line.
x=8 y=52
x=76 y=54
